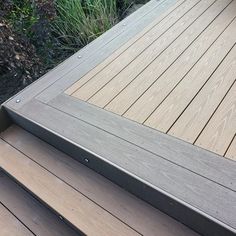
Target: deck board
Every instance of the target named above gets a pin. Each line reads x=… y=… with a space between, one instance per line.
x=10 y=225
x=220 y=131
x=206 y=102
x=35 y=216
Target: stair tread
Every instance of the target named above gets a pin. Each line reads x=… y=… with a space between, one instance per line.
x=108 y=209
x=10 y=225
x=29 y=213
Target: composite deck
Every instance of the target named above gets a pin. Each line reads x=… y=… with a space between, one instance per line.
x=128 y=108
x=177 y=76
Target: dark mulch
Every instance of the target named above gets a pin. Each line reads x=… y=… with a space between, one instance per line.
x=19 y=64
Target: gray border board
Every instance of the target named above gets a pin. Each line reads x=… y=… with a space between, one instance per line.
x=198 y=160
x=103 y=46
x=143 y=173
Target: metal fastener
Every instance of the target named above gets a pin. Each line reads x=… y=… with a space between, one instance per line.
x=79 y=57
x=86 y=160
x=18 y=100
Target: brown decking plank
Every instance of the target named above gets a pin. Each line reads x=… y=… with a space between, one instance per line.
x=111 y=197
x=144 y=80
x=171 y=108
x=219 y=132
x=197 y=114
x=31 y=212
x=80 y=211
x=145 y=104
x=10 y=225
x=149 y=32
x=144 y=59
x=231 y=152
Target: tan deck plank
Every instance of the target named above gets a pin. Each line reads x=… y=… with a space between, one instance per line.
x=120 y=203
x=69 y=203
x=172 y=107
x=144 y=80
x=149 y=33
x=144 y=59
x=195 y=117
x=145 y=105
x=28 y=210
x=10 y=225
x=231 y=152
x=221 y=128
x=116 y=81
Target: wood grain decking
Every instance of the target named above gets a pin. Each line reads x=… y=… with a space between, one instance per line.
x=177 y=76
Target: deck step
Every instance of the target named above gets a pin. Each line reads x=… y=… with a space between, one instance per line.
x=23 y=215
x=190 y=184
x=83 y=198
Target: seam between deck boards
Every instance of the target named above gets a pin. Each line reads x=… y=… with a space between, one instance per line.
x=200 y=91
x=15 y=216
x=214 y=114
x=229 y=145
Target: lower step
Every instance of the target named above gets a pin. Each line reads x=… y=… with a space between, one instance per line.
x=23 y=215
x=83 y=198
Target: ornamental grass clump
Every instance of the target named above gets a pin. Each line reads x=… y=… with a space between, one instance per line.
x=79 y=22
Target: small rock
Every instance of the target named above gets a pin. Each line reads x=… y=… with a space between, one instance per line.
x=17 y=57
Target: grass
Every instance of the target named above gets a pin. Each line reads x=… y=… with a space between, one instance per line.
x=79 y=22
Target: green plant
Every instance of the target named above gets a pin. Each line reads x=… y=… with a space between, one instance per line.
x=79 y=22
x=23 y=16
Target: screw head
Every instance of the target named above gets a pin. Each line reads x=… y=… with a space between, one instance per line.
x=18 y=100
x=79 y=57
x=86 y=160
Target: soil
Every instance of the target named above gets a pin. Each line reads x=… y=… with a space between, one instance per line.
x=19 y=64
